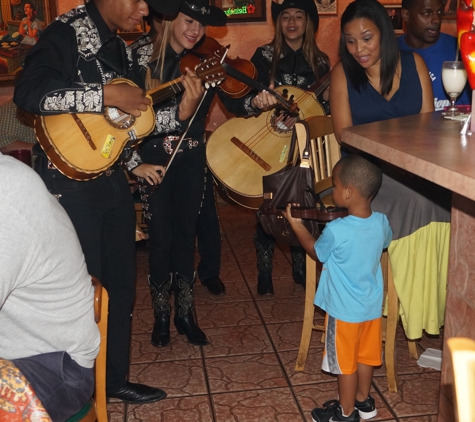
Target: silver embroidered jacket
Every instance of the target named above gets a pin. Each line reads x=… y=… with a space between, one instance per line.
x=72 y=79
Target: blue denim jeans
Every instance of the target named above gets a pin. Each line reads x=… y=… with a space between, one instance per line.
x=62 y=385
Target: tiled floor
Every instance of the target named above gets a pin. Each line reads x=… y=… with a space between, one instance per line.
x=247 y=373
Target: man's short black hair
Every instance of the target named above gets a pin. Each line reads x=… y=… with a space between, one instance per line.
x=356 y=171
x=409 y=4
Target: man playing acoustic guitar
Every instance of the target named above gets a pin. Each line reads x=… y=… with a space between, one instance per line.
x=67 y=71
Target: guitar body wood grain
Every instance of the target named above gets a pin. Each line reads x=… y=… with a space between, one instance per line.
x=257 y=150
x=84 y=150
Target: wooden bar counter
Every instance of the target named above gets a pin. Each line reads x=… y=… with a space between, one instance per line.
x=430 y=146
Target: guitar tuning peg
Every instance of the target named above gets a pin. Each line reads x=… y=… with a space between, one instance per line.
x=207 y=85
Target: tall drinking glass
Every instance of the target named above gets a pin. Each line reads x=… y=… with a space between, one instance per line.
x=454 y=78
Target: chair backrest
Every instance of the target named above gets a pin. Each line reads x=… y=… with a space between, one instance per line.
x=101 y=312
x=462 y=351
x=325 y=148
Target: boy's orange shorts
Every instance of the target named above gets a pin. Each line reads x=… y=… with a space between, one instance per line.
x=348 y=343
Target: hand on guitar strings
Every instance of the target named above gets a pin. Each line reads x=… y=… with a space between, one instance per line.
x=194 y=91
x=264 y=100
x=128 y=98
x=152 y=173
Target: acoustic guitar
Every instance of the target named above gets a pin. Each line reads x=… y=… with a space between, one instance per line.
x=84 y=145
x=242 y=150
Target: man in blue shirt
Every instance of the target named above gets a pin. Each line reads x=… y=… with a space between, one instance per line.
x=423 y=19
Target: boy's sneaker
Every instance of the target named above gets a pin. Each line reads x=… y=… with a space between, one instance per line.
x=332 y=412
x=367 y=408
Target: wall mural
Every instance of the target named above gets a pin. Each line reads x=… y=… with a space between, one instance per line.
x=21 y=24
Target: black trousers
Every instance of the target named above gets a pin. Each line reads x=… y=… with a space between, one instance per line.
x=62 y=386
x=208 y=233
x=102 y=212
x=174 y=209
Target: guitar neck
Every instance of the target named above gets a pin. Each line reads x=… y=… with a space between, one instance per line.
x=165 y=91
x=318 y=87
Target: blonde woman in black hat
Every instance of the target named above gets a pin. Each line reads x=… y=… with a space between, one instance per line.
x=172 y=210
x=292 y=58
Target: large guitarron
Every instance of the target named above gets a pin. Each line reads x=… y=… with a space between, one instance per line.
x=242 y=150
x=82 y=146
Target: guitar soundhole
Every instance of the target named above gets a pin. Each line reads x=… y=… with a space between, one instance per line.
x=283 y=121
x=118 y=119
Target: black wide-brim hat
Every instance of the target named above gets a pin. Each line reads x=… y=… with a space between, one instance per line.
x=201 y=11
x=165 y=7
x=308 y=6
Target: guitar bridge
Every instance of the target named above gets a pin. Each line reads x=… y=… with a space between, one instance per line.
x=251 y=154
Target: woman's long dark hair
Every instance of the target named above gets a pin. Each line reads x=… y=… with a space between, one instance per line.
x=376 y=13
x=313 y=55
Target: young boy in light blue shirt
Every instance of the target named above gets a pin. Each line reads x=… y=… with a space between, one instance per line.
x=350 y=288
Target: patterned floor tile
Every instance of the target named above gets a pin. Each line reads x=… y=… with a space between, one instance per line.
x=214 y=315
x=286 y=336
x=429 y=418
x=239 y=340
x=282 y=309
x=312 y=372
x=417 y=394
x=116 y=412
x=405 y=364
x=250 y=372
x=257 y=406
x=184 y=409
x=177 y=378
x=178 y=349
x=143 y=299
x=142 y=321
x=236 y=291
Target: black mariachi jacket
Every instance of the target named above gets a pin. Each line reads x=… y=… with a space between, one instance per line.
x=62 y=72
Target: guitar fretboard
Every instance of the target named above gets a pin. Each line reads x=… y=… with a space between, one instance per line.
x=162 y=93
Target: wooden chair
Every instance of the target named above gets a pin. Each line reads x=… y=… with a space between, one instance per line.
x=462 y=352
x=96 y=409
x=390 y=325
x=325 y=154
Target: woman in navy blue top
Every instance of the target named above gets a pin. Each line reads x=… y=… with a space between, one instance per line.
x=373 y=82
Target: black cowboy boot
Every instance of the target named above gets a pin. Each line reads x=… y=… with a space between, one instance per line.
x=161 y=310
x=298 y=264
x=184 y=304
x=265 y=254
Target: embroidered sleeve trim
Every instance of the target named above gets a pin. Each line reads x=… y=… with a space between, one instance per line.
x=89 y=99
x=133 y=161
x=248 y=106
x=166 y=120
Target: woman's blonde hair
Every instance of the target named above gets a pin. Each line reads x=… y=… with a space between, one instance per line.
x=313 y=55
x=161 y=37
